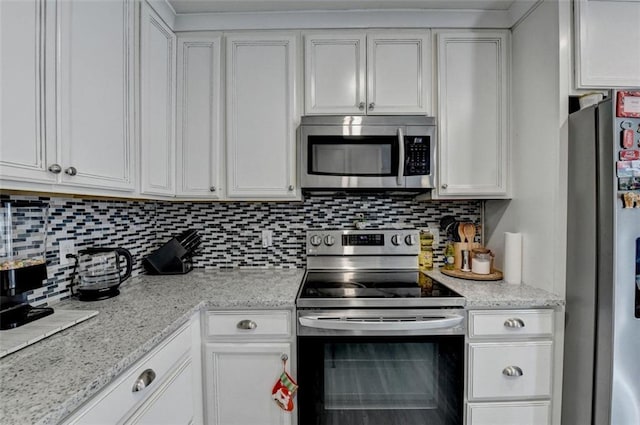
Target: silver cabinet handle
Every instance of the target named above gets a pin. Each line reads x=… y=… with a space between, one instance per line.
x=284 y=357
x=71 y=171
x=212 y=189
x=55 y=168
x=372 y=105
x=291 y=187
x=361 y=106
x=444 y=186
x=144 y=380
x=514 y=323
x=247 y=324
x=512 y=371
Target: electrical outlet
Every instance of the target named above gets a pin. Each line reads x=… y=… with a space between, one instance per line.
x=66 y=247
x=267 y=238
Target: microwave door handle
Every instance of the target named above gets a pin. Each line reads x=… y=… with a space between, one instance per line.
x=400 y=180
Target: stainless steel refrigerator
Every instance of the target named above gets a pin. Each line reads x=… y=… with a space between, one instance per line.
x=601 y=383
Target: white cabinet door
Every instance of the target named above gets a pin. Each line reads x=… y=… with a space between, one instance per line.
x=335 y=73
x=172 y=403
x=199 y=138
x=261 y=115
x=473 y=84
x=240 y=377
x=157 y=104
x=607 y=39
x=25 y=150
x=398 y=72
x=95 y=92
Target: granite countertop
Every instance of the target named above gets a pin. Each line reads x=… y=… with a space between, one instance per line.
x=43 y=383
x=496 y=294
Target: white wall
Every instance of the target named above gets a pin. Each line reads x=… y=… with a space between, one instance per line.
x=538 y=208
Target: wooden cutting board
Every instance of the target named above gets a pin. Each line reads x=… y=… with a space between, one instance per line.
x=496 y=275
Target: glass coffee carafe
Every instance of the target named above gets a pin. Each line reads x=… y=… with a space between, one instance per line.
x=100 y=271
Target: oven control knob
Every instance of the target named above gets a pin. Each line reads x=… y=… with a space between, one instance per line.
x=329 y=240
x=315 y=240
x=395 y=239
x=410 y=240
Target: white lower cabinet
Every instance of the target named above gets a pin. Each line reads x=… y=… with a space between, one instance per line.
x=164 y=387
x=510 y=364
x=243 y=360
x=240 y=377
x=516 y=413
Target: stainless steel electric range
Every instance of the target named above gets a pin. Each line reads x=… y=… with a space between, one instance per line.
x=378 y=343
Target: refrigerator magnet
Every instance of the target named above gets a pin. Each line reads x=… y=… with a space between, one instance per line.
x=628 y=104
x=629 y=155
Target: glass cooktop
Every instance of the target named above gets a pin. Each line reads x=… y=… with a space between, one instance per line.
x=355 y=288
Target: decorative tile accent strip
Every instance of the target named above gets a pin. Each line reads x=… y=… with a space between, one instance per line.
x=230 y=231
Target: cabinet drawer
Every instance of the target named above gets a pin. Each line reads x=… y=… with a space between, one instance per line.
x=511 y=323
x=114 y=402
x=514 y=413
x=249 y=323
x=510 y=370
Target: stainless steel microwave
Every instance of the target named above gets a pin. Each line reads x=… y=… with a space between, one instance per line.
x=367 y=152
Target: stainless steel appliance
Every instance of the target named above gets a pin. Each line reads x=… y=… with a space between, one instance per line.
x=23 y=260
x=602 y=336
x=100 y=272
x=377 y=342
x=367 y=152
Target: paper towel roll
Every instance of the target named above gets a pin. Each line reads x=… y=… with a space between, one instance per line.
x=512 y=258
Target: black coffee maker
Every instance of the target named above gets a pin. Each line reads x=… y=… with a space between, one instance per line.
x=23 y=267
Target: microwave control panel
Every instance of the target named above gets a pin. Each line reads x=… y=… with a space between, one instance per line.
x=417 y=155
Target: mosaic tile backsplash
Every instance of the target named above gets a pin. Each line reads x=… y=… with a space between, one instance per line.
x=230 y=231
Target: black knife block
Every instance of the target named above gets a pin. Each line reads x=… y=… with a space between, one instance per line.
x=170 y=258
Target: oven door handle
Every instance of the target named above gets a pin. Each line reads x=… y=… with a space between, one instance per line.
x=378 y=324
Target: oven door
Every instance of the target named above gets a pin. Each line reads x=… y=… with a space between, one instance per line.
x=379 y=373
x=352 y=157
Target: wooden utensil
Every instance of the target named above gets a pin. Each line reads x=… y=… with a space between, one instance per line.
x=469 y=230
x=461 y=231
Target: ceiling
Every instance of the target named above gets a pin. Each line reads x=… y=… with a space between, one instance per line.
x=221 y=6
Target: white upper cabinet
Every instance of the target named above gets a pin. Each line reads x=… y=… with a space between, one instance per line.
x=261 y=115
x=26 y=150
x=199 y=136
x=607 y=43
x=335 y=78
x=375 y=72
x=95 y=93
x=398 y=72
x=473 y=93
x=157 y=104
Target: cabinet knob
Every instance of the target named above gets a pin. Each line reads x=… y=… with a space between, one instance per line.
x=144 y=380
x=514 y=323
x=444 y=186
x=212 y=189
x=291 y=188
x=284 y=357
x=247 y=324
x=71 y=171
x=372 y=105
x=55 y=168
x=512 y=371
x=361 y=106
